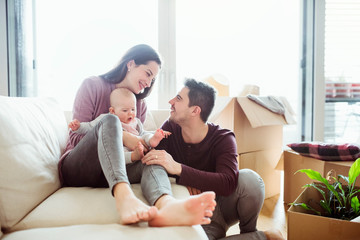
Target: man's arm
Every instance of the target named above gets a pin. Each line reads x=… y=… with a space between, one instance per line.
x=217 y=162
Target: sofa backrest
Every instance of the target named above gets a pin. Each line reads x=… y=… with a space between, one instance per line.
x=33 y=134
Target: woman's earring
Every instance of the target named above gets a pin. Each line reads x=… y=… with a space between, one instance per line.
x=128 y=69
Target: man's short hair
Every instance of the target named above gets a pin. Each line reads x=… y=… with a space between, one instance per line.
x=202 y=95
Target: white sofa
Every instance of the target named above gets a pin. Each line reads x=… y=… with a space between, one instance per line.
x=33 y=133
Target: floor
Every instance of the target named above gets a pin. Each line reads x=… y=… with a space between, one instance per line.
x=272 y=215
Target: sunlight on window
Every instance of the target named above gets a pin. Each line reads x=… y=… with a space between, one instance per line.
x=82 y=38
x=247 y=42
x=242 y=41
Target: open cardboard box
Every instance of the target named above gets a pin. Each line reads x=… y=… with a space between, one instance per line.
x=302 y=224
x=264 y=163
x=255 y=127
x=293 y=162
x=259 y=135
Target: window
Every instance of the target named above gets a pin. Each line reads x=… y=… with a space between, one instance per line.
x=236 y=39
x=342 y=71
x=243 y=43
x=82 y=38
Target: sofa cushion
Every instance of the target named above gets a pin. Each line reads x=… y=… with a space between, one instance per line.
x=33 y=133
x=109 y=232
x=82 y=205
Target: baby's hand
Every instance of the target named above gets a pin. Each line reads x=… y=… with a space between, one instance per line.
x=158 y=136
x=74 y=125
x=165 y=133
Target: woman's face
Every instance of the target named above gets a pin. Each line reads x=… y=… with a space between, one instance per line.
x=139 y=77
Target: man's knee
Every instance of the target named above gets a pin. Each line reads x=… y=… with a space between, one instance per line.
x=251 y=182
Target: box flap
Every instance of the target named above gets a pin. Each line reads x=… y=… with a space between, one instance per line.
x=220 y=104
x=258 y=115
x=280 y=164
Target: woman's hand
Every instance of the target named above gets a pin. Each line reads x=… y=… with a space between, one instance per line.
x=131 y=141
x=164 y=159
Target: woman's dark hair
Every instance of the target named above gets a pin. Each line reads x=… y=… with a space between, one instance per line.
x=202 y=95
x=141 y=54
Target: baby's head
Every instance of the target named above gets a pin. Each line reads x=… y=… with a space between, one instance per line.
x=123 y=104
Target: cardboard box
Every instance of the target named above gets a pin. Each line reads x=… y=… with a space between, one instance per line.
x=303 y=224
x=255 y=127
x=259 y=135
x=293 y=162
x=264 y=163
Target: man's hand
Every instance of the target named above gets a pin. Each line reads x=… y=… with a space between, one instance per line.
x=164 y=159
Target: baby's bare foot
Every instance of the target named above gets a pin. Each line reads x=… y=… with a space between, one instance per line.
x=197 y=209
x=138 y=152
x=158 y=136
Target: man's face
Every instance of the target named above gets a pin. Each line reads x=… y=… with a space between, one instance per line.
x=180 y=110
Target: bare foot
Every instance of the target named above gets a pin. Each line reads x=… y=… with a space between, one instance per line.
x=138 y=152
x=196 y=209
x=158 y=136
x=130 y=208
x=273 y=234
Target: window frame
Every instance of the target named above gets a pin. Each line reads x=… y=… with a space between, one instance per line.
x=4 y=88
x=312 y=66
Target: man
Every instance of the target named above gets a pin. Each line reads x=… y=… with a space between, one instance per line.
x=202 y=156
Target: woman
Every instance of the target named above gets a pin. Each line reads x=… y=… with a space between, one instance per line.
x=97 y=158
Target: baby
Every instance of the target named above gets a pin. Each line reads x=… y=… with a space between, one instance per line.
x=123 y=105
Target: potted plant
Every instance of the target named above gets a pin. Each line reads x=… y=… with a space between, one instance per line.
x=338 y=200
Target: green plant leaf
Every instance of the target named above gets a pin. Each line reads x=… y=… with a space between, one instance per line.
x=342 y=193
x=353 y=193
x=354 y=171
x=355 y=204
x=322 y=192
x=346 y=179
x=325 y=206
x=306 y=207
x=315 y=175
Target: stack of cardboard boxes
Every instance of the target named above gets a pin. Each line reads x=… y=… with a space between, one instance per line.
x=259 y=137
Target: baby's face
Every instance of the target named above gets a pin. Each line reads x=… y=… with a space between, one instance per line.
x=126 y=110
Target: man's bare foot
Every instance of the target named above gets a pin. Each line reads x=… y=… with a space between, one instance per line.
x=130 y=208
x=138 y=152
x=158 y=136
x=273 y=234
x=195 y=210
